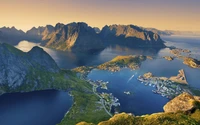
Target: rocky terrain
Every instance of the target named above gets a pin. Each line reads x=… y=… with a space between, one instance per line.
x=175 y=114
x=184 y=102
x=81 y=37
x=130 y=35
x=73 y=36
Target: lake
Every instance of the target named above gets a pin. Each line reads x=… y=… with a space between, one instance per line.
x=34 y=108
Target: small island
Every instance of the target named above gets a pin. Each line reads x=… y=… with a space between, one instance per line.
x=169 y=58
x=194 y=63
x=133 y=62
x=190 y=61
x=179 y=51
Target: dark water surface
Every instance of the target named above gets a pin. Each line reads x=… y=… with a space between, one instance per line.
x=34 y=108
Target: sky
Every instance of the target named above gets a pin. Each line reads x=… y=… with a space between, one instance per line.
x=181 y=15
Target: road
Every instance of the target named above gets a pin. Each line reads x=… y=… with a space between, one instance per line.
x=102 y=101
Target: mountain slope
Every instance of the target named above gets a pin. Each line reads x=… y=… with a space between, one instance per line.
x=16 y=66
x=36 y=70
x=73 y=37
x=130 y=35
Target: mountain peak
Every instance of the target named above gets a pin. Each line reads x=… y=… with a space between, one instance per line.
x=43 y=58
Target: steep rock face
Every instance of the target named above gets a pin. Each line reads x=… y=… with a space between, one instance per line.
x=17 y=65
x=130 y=35
x=45 y=61
x=183 y=102
x=40 y=33
x=75 y=36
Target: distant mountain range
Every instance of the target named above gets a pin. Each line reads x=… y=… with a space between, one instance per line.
x=173 y=32
x=11 y=35
x=81 y=37
x=130 y=35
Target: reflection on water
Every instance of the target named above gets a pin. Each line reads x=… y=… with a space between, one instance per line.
x=34 y=108
x=68 y=60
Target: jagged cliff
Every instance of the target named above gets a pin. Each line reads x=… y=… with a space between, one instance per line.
x=73 y=36
x=81 y=37
x=130 y=35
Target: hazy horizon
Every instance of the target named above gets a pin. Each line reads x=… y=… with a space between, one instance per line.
x=179 y=15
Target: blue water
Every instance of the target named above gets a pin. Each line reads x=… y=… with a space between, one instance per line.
x=143 y=100
x=34 y=108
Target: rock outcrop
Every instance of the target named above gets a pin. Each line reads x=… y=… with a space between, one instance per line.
x=184 y=102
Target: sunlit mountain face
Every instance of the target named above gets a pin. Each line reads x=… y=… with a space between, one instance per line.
x=99 y=62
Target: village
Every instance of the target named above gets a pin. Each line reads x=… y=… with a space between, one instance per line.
x=164 y=86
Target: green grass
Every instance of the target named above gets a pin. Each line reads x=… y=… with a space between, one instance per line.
x=85 y=107
x=123 y=61
x=13 y=49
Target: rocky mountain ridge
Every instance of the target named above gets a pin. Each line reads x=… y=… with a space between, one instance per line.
x=130 y=35
x=81 y=37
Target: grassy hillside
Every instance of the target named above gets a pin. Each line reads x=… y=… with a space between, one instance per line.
x=154 y=119
x=132 y=62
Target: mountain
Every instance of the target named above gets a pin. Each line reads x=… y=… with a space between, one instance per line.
x=11 y=35
x=73 y=36
x=130 y=35
x=173 y=32
x=36 y=70
x=40 y=33
x=177 y=115
x=20 y=69
x=159 y=32
x=81 y=37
